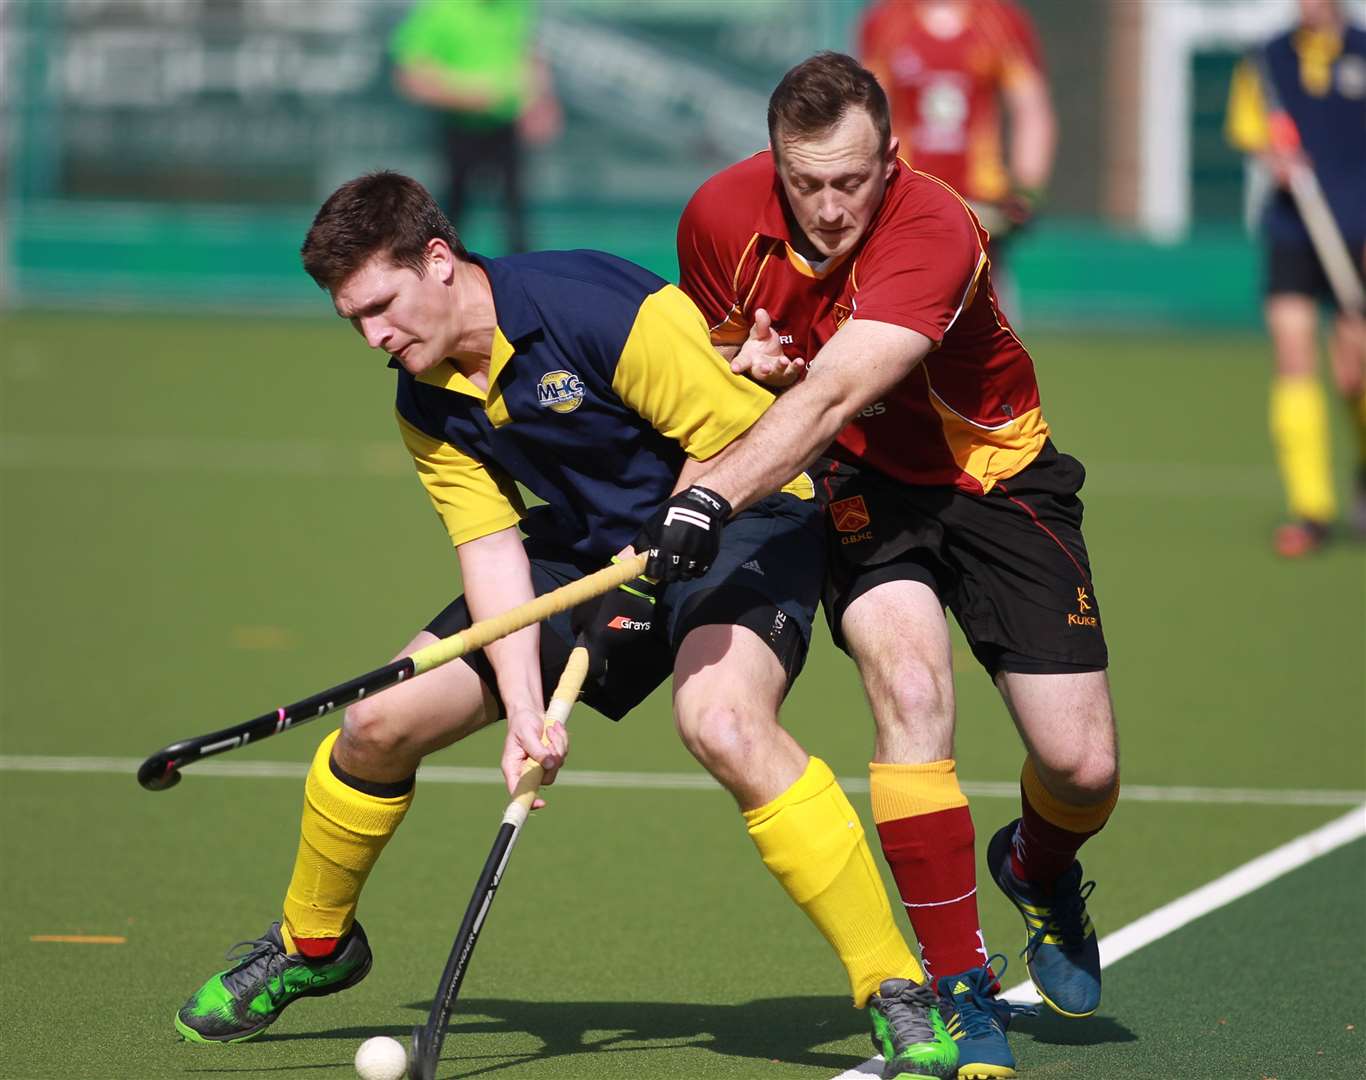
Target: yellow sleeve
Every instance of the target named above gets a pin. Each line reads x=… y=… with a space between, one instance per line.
x=670 y=374
x=1245 y=127
x=471 y=499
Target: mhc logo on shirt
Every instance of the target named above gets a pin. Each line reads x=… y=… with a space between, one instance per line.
x=559 y=391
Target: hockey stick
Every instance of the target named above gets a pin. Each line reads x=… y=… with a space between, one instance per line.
x=427 y=1039
x=1339 y=267
x=162 y=769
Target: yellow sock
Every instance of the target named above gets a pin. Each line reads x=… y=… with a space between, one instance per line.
x=342 y=834
x=812 y=842
x=1299 y=430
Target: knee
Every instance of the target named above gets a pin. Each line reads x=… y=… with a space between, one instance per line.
x=1095 y=777
x=915 y=696
x=1350 y=380
x=371 y=730
x=721 y=737
x=1086 y=775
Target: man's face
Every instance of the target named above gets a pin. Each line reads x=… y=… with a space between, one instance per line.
x=394 y=309
x=1320 y=14
x=834 y=180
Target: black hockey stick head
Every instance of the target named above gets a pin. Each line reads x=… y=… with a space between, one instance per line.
x=419 y=1065
x=159 y=772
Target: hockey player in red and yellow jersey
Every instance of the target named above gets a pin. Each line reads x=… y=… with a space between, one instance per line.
x=828 y=262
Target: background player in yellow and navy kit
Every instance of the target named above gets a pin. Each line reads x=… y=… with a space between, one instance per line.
x=1319 y=74
x=945 y=490
x=594 y=384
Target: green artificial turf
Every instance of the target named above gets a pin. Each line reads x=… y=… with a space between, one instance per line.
x=201 y=519
x=1262 y=988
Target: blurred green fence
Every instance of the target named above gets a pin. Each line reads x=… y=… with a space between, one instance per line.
x=171 y=153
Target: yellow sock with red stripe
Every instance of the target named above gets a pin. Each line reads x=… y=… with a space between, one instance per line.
x=1299 y=431
x=811 y=840
x=927 y=837
x=1051 y=832
x=343 y=831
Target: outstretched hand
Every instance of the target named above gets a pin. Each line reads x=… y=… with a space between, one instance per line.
x=761 y=357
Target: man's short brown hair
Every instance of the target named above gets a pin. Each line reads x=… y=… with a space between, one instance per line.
x=378 y=213
x=814 y=96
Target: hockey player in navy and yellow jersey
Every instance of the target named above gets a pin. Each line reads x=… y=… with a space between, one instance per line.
x=1317 y=77
x=593 y=384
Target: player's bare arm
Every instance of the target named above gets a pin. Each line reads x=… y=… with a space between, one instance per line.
x=858 y=365
x=497 y=577
x=1034 y=129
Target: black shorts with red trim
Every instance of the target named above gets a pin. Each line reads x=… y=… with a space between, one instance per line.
x=1011 y=565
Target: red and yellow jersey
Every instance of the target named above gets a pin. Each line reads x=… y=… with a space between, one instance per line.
x=969 y=414
x=945 y=91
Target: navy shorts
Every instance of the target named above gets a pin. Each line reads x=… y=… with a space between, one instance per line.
x=767 y=578
x=1011 y=565
x=1295 y=269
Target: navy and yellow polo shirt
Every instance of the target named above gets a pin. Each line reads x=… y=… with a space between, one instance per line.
x=602 y=379
x=1320 y=79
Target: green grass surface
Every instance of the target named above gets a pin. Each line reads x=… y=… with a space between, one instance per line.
x=1208 y=1000
x=202 y=518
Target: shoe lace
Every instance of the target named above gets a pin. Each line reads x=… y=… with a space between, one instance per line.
x=1066 y=919
x=262 y=959
x=978 y=1007
x=908 y=1014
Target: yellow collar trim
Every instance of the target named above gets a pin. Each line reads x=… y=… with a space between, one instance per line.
x=446 y=376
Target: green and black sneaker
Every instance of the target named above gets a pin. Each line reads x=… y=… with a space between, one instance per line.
x=241 y=1002
x=909 y=1033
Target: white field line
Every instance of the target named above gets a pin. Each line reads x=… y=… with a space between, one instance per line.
x=1223 y=890
x=320 y=457
x=669 y=781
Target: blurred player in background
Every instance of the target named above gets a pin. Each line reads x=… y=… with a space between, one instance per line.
x=947 y=67
x=1318 y=75
x=593 y=383
x=944 y=489
x=475 y=63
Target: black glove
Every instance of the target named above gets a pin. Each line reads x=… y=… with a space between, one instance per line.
x=615 y=623
x=683 y=536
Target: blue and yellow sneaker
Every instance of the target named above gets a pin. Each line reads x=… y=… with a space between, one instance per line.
x=1061 y=949
x=977 y=1020
x=909 y=1033
x=241 y=1002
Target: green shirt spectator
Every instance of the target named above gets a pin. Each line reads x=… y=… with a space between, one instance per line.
x=474 y=64
x=472 y=58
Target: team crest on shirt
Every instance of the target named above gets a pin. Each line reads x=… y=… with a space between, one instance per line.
x=1351 y=77
x=559 y=391
x=842 y=313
